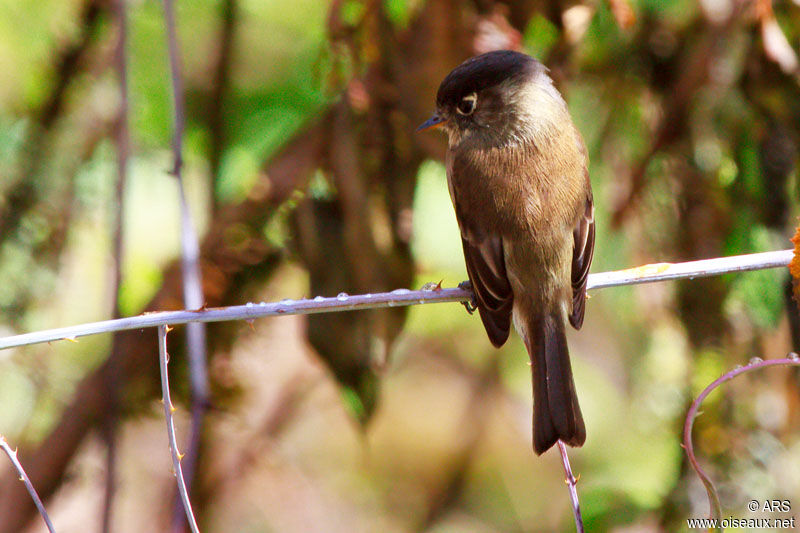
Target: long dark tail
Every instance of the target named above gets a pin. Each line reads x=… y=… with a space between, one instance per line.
x=556 y=413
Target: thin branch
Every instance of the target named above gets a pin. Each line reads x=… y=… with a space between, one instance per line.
x=572 y=483
x=190 y=258
x=179 y=113
x=112 y=381
x=400 y=297
x=190 y=249
x=173 y=443
x=122 y=143
x=250 y=258
x=691 y=269
x=755 y=363
x=12 y=455
x=219 y=89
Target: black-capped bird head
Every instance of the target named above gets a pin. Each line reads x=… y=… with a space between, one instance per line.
x=496 y=98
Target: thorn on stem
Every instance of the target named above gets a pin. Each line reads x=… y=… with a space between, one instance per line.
x=432 y=286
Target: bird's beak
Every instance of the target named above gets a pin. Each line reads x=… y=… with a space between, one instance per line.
x=434 y=122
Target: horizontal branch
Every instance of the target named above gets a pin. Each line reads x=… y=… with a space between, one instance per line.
x=400 y=297
x=690 y=270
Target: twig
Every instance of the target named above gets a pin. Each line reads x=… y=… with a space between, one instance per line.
x=399 y=297
x=123 y=149
x=691 y=269
x=190 y=258
x=572 y=483
x=755 y=363
x=12 y=455
x=219 y=88
x=179 y=114
x=173 y=443
x=122 y=142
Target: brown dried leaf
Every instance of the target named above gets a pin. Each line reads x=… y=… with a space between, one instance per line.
x=623 y=13
x=794 y=266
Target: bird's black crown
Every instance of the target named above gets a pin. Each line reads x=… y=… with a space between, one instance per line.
x=482 y=72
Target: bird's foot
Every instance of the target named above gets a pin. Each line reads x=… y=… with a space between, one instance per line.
x=472 y=304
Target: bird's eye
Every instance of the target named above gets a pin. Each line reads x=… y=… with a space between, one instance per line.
x=467 y=104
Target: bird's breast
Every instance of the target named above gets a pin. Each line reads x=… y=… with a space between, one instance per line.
x=520 y=189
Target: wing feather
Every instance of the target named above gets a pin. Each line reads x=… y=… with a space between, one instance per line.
x=581 y=259
x=487 y=273
x=484 y=257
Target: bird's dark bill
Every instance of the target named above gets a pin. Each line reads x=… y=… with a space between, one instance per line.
x=434 y=122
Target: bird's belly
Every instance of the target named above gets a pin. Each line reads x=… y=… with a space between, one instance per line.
x=531 y=212
x=538 y=247
x=536 y=262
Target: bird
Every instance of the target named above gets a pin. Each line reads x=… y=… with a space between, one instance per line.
x=517 y=172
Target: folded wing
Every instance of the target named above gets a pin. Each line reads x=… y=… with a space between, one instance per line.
x=581 y=259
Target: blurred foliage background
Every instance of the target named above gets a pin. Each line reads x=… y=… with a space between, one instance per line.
x=305 y=178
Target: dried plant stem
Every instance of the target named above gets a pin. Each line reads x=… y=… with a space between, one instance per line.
x=400 y=297
x=690 y=269
x=173 y=443
x=756 y=363
x=190 y=261
x=12 y=455
x=122 y=142
x=572 y=483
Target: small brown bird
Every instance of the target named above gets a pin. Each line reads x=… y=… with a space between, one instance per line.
x=518 y=178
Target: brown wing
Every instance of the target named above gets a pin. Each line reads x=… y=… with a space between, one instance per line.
x=483 y=253
x=486 y=269
x=581 y=259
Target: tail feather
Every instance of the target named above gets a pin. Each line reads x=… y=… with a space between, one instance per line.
x=556 y=413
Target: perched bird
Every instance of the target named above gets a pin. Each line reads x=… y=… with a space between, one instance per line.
x=518 y=179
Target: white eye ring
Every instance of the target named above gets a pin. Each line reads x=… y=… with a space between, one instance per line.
x=467 y=104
